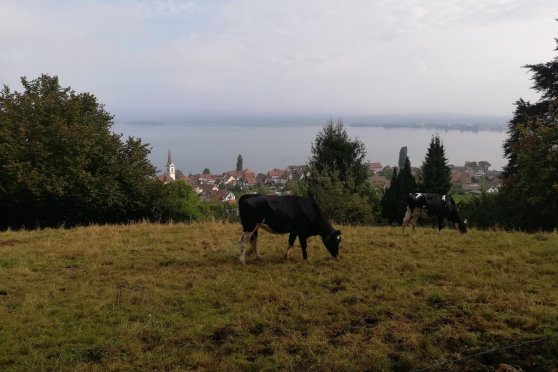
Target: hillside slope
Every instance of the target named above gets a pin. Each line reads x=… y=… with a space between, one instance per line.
x=164 y=297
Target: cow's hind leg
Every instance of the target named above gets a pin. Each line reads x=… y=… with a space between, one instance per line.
x=254 y=244
x=292 y=238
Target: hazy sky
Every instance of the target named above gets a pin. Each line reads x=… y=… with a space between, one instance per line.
x=147 y=59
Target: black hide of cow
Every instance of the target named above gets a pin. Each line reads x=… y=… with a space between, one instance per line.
x=437 y=206
x=296 y=215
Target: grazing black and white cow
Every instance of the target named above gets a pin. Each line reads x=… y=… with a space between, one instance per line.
x=296 y=215
x=430 y=206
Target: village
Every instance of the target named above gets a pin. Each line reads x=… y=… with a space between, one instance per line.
x=470 y=179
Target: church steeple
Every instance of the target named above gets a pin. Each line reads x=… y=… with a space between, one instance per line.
x=170 y=167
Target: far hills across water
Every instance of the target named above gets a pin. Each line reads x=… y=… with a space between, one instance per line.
x=464 y=122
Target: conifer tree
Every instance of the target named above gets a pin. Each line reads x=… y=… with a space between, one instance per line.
x=402 y=157
x=338 y=177
x=239 y=163
x=436 y=174
x=530 y=183
x=393 y=202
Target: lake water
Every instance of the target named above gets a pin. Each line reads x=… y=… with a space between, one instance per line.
x=198 y=146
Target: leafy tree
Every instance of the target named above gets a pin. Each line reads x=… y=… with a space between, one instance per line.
x=402 y=156
x=206 y=171
x=387 y=172
x=179 y=174
x=61 y=164
x=484 y=165
x=436 y=174
x=239 y=163
x=182 y=203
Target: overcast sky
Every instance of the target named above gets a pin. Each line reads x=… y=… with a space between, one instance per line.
x=172 y=58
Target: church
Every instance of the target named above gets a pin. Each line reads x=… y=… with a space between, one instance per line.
x=170 y=172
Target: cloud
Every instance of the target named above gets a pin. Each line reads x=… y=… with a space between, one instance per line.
x=356 y=56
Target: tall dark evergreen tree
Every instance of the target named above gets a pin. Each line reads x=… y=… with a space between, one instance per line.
x=390 y=202
x=531 y=174
x=239 y=163
x=402 y=156
x=393 y=202
x=435 y=172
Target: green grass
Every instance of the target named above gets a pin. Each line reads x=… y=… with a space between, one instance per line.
x=174 y=297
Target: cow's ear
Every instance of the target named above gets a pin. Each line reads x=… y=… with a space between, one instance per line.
x=337 y=232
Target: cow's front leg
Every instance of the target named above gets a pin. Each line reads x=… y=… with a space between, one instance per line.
x=440 y=224
x=246 y=236
x=292 y=238
x=303 y=245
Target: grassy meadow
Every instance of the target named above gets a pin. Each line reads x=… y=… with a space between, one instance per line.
x=174 y=297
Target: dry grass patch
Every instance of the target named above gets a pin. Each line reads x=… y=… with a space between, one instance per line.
x=151 y=296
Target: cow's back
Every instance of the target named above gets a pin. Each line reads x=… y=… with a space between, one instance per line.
x=281 y=213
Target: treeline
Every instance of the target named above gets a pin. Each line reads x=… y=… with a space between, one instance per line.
x=61 y=165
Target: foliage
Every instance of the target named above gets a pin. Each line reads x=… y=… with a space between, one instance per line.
x=533 y=186
x=387 y=172
x=182 y=203
x=530 y=181
x=358 y=207
x=206 y=171
x=239 y=163
x=338 y=177
x=435 y=174
x=173 y=297
x=402 y=157
x=394 y=199
x=61 y=165
x=334 y=150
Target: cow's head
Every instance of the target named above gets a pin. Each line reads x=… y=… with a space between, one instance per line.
x=332 y=242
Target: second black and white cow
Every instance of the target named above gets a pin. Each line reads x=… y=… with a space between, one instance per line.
x=295 y=215
x=429 y=206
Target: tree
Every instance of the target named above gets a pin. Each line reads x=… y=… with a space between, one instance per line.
x=530 y=181
x=435 y=172
x=206 y=171
x=338 y=177
x=402 y=156
x=333 y=149
x=484 y=165
x=61 y=164
x=239 y=163
x=179 y=174
x=394 y=200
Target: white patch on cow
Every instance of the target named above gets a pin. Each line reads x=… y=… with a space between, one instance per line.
x=266 y=228
x=246 y=237
x=288 y=251
x=444 y=198
x=411 y=217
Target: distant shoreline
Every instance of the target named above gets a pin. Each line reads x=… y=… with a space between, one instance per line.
x=443 y=127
